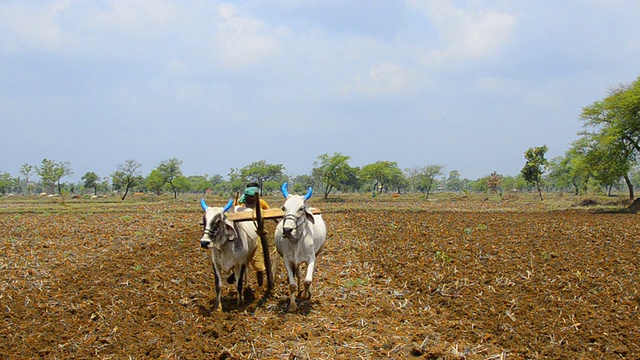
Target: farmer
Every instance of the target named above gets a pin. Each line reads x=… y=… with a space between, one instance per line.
x=248 y=199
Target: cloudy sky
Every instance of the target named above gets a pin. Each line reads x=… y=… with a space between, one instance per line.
x=468 y=84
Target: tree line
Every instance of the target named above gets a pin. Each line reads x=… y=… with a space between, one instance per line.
x=603 y=159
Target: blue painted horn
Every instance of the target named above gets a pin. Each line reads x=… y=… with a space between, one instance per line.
x=309 y=193
x=285 y=193
x=225 y=209
x=228 y=206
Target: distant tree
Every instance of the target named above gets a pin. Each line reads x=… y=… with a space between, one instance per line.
x=535 y=167
x=412 y=175
x=52 y=172
x=428 y=176
x=494 y=183
x=154 y=182
x=332 y=171
x=127 y=176
x=381 y=174
x=27 y=171
x=6 y=182
x=454 y=181
x=182 y=184
x=91 y=180
x=169 y=170
x=260 y=172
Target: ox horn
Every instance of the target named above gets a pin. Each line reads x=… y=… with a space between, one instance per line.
x=228 y=206
x=203 y=204
x=285 y=193
x=309 y=193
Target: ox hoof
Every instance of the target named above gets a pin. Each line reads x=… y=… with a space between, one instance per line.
x=293 y=307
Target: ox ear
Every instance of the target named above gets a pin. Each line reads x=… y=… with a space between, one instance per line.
x=309 y=193
x=203 y=205
x=230 y=230
x=309 y=215
x=284 y=191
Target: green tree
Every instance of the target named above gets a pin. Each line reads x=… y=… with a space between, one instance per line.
x=454 y=181
x=260 y=172
x=428 y=176
x=381 y=174
x=127 y=176
x=332 y=171
x=27 y=171
x=154 y=182
x=535 y=166
x=52 y=172
x=6 y=182
x=615 y=133
x=91 y=180
x=168 y=171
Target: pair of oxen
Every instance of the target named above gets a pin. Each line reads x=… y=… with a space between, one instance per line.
x=299 y=237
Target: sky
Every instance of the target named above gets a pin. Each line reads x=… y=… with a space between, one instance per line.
x=467 y=84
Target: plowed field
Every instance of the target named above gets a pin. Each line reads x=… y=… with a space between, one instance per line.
x=397 y=279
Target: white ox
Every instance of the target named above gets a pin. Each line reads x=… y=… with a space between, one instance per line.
x=299 y=237
x=232 y=245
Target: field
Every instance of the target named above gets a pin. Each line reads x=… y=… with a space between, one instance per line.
x=402 y=278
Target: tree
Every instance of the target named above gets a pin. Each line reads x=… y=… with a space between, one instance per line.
x=260 y=172
x=332 y=171
x=412 y=175
x=615 y=125
x=381 y=173
x=535 y=166
x=168 y=171
x=51 y=172
x=428 y=176
x=127 y=176
x=91 y=180
x=27 y=170
x=154 y=182
x=454 y=181
x=6 y=182
x=494 y=183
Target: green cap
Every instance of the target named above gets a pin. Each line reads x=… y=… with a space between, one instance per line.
x=251 y=191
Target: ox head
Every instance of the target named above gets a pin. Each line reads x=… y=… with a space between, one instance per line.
x=217 y=228
x=296 y=212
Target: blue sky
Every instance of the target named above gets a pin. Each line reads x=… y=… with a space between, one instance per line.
x=466 y=84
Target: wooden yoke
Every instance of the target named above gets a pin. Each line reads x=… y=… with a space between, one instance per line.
x=265 y=244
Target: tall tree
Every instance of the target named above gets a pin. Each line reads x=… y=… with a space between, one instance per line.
x=91 y=180
x=428 y=176
x=52 y=172
x=169 y=170
x=260 y=172
x=381 y=174
x=127 y=176
x=535 y=166
x=27 y=171
x=332 y=171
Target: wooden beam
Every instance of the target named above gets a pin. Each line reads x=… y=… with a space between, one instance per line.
x=266 y=214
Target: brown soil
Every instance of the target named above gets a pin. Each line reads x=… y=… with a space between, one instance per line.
x=394 y=282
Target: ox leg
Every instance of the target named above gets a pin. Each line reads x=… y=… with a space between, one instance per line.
x=239 y=285
x=218 y=283
x=293 y=288
x=306 y=293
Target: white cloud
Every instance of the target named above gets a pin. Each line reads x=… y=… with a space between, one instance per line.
x=381 y=79
x=242 y=40
x=465 y=33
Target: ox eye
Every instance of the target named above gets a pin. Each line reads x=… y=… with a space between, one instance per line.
x=301 y=209
x=283 y=208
